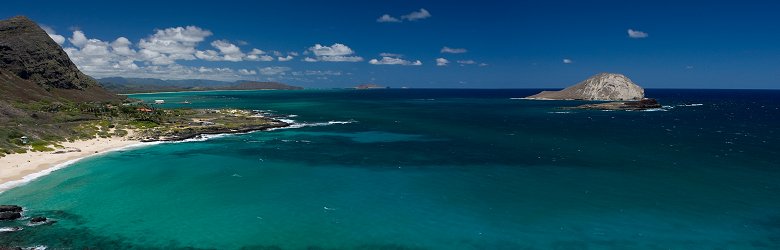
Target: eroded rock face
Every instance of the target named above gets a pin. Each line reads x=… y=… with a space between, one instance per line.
x=10 y=208
x=10 y=215
x=644 y=104
x=29 y=53
x=601 y=87
x=38 y=220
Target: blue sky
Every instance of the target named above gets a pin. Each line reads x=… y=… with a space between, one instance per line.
x=499 y=44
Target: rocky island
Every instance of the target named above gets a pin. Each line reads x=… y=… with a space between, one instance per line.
x=601 y=87
x=624 y=93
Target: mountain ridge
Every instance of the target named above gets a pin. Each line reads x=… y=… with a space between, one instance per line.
x=35 y=68
x=128 y=85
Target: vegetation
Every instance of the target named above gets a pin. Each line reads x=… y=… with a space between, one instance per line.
x=43 y=124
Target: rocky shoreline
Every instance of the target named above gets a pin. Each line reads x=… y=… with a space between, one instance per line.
x=191 y=134
x=644 y=104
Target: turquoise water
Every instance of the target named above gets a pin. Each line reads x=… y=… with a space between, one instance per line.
x=432 y=169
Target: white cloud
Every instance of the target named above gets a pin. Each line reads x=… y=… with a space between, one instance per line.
x=567 y=61
x=229 y=52
x=78 y=39
x=636 y=34
x=208 y=55
x=268 y=71
x=121 y=46
x=483 y=64
x=334 y=53
x=317 y=73
x=391 y=54
x=442 y=62
x=394 y=61
x=257 y=52
x=247 y=72
x=157 y=56
x=453 y=50
x=336 y=49
x=387 y=19
x=417 y=15
x=175 y=43
x=286 y=58
x=340 y=59
x=259 y=55
x=57 y=38
x=467 y=62
x=262 y=58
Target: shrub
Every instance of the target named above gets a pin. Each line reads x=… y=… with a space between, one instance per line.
x=120 y=132
x=40 y=146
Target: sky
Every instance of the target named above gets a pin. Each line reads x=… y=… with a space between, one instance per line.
x=420 y=44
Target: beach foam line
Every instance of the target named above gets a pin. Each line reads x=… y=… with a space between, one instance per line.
x=654 y=110
x=690 y=105
x=295 y=124
x=31 y=177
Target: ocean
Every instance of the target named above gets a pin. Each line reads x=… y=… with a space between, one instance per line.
x=431 y=169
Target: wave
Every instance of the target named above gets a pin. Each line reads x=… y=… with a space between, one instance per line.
x=690 y=105
x=654 y=110
x=202 y=137
x=295 y=124
x=10 y=229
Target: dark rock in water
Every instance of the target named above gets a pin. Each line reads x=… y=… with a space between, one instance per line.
x=10 y=248
x=647 y=103
x=10 y=208
x=10 y=215
x=38 y=219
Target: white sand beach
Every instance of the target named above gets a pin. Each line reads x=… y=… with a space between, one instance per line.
x=16 y=169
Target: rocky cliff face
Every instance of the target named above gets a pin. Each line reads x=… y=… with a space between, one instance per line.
x=33 y=66
x=27 y=51
x=603 y=87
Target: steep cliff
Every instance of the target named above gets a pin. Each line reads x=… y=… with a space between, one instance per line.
x=34 y=67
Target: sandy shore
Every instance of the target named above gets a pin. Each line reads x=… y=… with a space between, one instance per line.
x=17 y=169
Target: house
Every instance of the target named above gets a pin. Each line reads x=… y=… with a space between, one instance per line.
x=147 y=110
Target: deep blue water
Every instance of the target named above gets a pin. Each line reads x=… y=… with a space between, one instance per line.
x=433 y=169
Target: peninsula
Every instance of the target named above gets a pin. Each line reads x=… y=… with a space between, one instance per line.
x=52 y=113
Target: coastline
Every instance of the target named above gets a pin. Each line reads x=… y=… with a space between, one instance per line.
x=193 y=91
x=18 y=169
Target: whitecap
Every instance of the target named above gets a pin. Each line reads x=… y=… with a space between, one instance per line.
x=10 y=229
x=653 y=110
x=294 y=124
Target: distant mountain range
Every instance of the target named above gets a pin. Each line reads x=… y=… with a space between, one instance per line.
x=140 y=85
